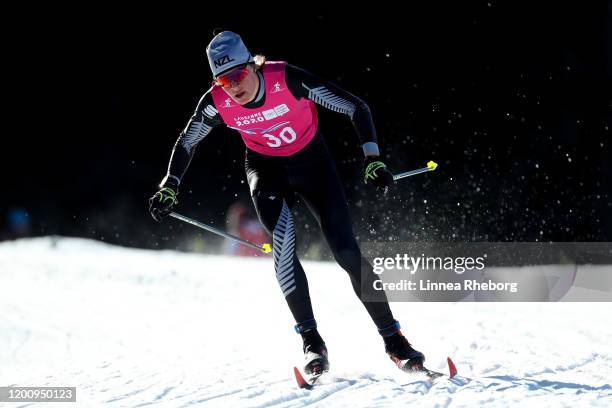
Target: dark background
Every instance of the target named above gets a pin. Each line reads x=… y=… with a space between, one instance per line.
x=512 y=101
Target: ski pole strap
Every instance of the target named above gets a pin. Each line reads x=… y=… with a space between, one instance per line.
x=306 y=325
x=389 y=330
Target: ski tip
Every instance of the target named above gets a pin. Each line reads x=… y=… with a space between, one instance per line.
x=266 y=248
x=302 y=383
x=452 y=369
x=432 y=164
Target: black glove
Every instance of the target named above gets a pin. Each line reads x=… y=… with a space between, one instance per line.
x=162 y=202
x=377 y=174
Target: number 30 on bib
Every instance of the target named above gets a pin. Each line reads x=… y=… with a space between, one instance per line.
x=286 y=135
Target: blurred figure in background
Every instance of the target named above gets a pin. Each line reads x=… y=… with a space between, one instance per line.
x=18 y=221
x=242 y=223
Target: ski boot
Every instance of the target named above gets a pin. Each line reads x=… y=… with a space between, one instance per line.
x=400 y=351
x=315 y=353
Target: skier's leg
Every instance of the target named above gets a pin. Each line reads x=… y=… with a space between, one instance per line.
x=273 y=203
x=323 y=193
x=273 y=200
x=275 y=214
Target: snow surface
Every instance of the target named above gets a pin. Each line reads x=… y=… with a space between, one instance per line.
x=135 y=328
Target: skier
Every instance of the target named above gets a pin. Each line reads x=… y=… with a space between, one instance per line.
x=273 y=105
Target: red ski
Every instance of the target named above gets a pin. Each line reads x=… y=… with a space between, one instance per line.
x=308 y=381
x=433 y=375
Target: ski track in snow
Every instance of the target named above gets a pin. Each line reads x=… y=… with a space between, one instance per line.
x=140 y=328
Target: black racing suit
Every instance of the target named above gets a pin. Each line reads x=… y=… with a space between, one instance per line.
x=310 y=173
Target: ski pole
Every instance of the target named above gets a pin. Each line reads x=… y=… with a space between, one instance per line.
x=266 y=248
x=431 y=166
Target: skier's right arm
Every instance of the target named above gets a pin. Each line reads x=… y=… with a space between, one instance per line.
x=199 y=126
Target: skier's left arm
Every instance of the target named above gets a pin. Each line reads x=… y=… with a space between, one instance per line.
x=303 y=84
